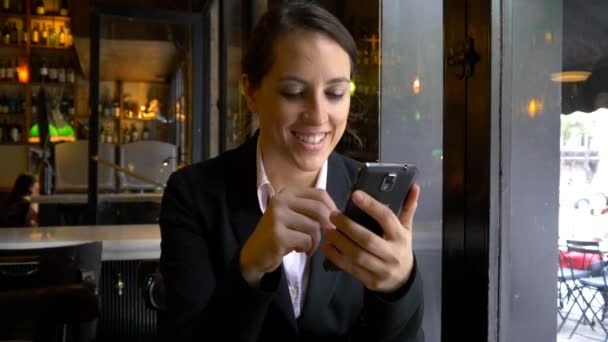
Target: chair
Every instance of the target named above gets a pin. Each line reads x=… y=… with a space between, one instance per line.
x=568 y=272
x=153 y=285
x=585 y=262
x=155 y=160
x=50 y=294
x=72 y=165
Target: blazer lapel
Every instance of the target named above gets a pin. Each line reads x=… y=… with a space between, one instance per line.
x=245 y=211
x=321 y=284
x=241 y=194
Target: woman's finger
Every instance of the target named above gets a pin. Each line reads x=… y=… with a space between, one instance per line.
x=305 y=225
x=342 y=262
x=409 y=207
x=356 y=255
x=360 y=235
x=313 y=209
x=385 y=217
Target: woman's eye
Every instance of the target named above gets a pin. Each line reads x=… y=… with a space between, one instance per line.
x=335 y=95
x=292 y=95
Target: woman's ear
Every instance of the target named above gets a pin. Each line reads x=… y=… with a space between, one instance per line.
x=249 y=93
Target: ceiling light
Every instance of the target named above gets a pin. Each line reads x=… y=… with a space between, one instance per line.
x=570 y=76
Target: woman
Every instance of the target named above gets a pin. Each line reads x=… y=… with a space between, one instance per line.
x=241 y=233
x=18 y=210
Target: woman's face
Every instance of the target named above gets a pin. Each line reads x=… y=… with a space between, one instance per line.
x=303 y=101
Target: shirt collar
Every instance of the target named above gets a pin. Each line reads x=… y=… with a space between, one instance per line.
x=265 y=190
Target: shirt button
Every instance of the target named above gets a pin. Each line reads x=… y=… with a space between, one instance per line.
x=293 y=292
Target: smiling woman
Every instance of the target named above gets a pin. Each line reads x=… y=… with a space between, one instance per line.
x=242 y=233
x=303 y=105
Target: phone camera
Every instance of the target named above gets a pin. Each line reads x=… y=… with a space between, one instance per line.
x=388 y=182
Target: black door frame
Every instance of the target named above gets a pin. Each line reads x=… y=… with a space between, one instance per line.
x=200 y=81
x=468 y=173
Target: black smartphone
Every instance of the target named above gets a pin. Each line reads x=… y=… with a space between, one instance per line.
x=388 y=184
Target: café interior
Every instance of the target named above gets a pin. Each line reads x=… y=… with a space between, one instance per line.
x=102 y=100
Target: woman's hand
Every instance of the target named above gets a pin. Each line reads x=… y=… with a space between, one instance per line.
x=293 y=221
x=381 y=263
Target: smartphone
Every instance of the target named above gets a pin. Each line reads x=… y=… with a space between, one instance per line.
x=387 y=183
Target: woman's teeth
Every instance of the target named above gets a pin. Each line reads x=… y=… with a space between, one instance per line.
x=311 y=139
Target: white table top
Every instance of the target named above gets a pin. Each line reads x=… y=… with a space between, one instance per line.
x=120 y=242
x=154 y=197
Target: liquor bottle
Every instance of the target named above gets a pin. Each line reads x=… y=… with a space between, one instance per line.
x=21 y=104
x=71 y=75
x=52 y=72
x=34 y=105
x=71 y=109
x=24 y=34
x=61 y=38
x=52 y=40
x=63 y=105
x=44 y=71
x=133 y=133
x=8 y=72
x=145 y=134
x=36 y=34
x=15 y=133
x=63 y=9
x=2 y=103
x=2 y=71
x=102 y=135
x=40 y=10
x=6 y=34
x=14 y=33
x=16 y=69
x=6 y=5
x=44 y=35
x=61 y=73
x=126 y=137
x=116 y=106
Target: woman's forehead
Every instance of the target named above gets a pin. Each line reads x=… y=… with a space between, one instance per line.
x=295 y=51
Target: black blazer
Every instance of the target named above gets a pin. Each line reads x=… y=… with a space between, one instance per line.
x=208 y=211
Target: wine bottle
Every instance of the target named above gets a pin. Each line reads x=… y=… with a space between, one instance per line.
x=52 y=72
x=2 y=71
x=71 y=75
x=6 y=34
x=44 y=71
x=40 y=10
x=44 y=35
x=134 y=134
x=61 y=73
x=52 y=40
x=145 y=134
x=36 y=34
x=61 y=37
x=63 y=9
x=14 y=33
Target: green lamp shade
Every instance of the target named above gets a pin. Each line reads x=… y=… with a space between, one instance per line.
x=35 y=131
x=65 y=133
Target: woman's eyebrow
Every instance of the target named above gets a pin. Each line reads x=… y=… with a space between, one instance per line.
x=299 y=80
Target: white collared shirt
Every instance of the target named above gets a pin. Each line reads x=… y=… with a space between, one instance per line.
x=295 y=264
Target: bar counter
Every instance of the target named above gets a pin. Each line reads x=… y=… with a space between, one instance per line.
x=155 y=197
x=120 y=242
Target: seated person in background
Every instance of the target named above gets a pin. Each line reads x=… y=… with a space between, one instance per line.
x=242 y=233
x=18 y=211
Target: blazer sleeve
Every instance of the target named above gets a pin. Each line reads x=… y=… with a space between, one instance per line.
x=393 y=317
x=200 y=301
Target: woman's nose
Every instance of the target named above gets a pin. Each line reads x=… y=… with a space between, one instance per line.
x=316 y=110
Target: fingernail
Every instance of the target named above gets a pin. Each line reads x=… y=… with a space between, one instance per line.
x=333 y=215
x=357 y=196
